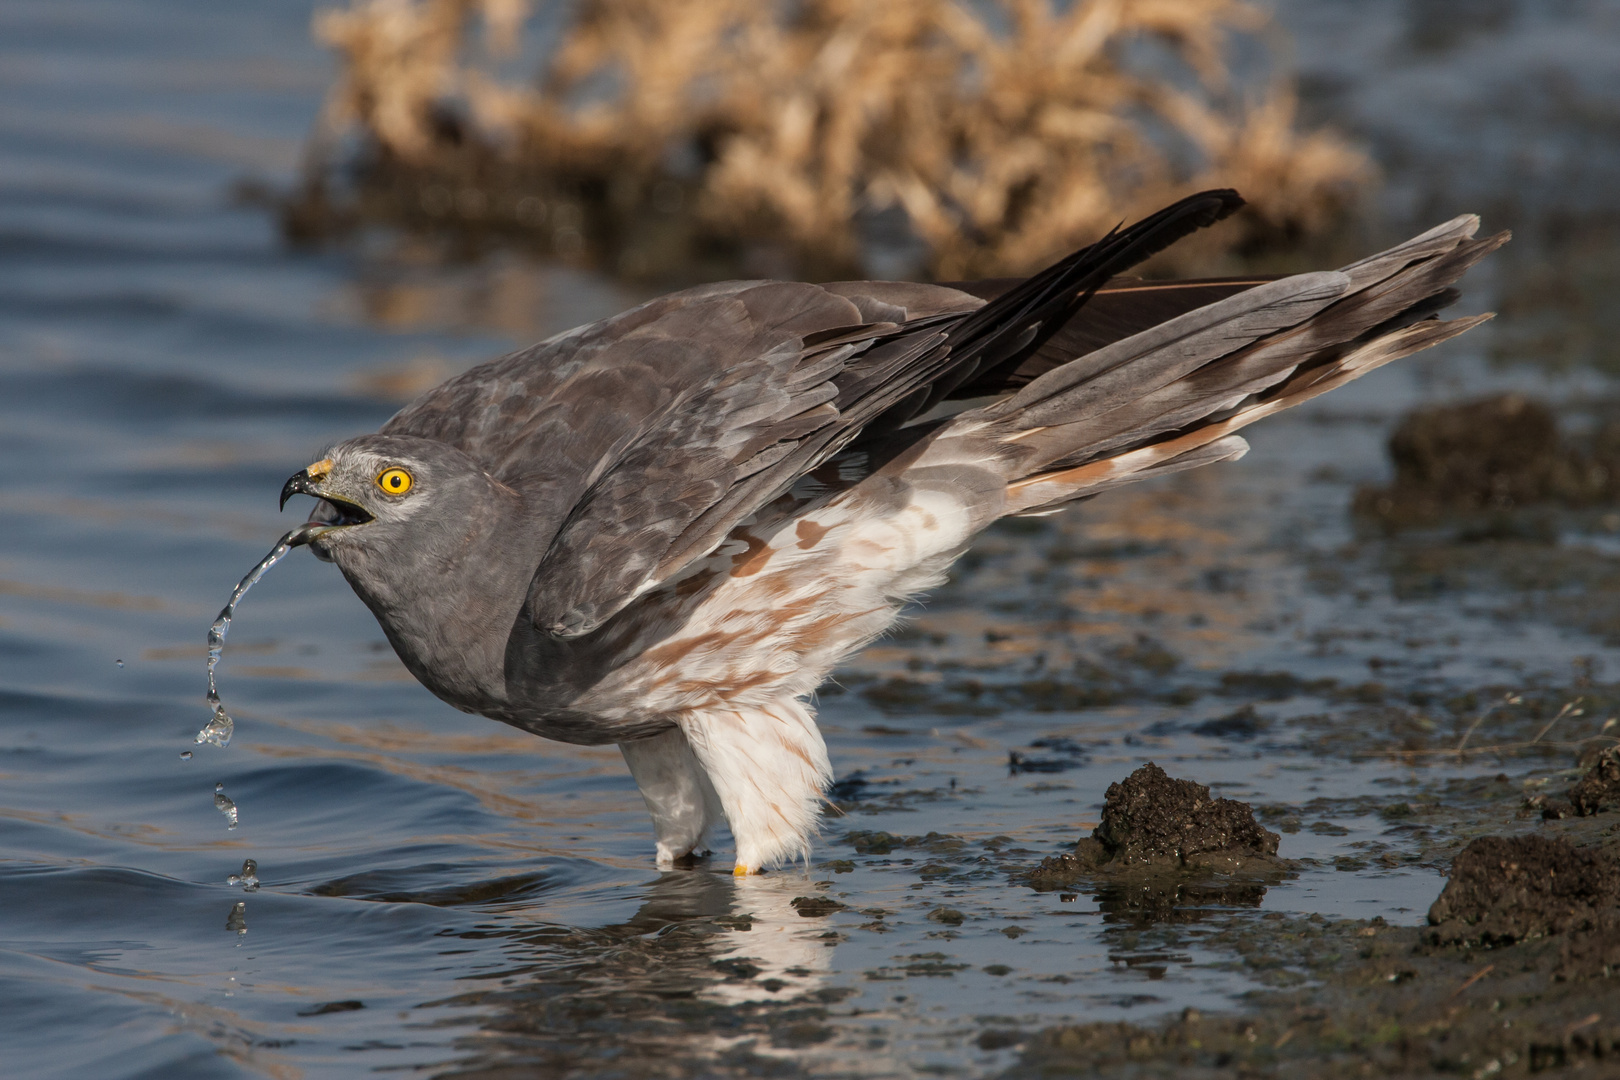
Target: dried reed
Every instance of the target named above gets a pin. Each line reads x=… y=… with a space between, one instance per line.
x=1007 y=131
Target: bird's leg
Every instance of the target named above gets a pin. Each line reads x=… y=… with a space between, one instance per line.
x=682 y=802
x=769 y=767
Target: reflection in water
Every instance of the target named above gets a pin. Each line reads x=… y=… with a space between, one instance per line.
x=1141 y=904
x=711 y=973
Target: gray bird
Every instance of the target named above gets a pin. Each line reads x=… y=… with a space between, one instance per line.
x=663 y=530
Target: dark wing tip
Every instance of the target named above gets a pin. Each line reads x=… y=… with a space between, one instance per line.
x=1183 y=218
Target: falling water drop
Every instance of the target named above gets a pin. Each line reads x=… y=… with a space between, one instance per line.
x=223 y=803
x=248 y=878
x=218 y=730
x=220 y=727
x=120 y=663
x=185 y=755
x=237 y=919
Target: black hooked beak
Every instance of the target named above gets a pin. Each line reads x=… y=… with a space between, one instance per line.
x=300 y=483
x=330 y=512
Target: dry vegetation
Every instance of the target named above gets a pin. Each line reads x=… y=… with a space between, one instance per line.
x=1006 y=132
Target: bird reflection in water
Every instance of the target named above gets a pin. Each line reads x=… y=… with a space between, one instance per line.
x=711 y=972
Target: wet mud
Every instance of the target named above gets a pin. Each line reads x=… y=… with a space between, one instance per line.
x=1166 y=850
x=1598 y=790
x=1153 y=823
x=1516 y=973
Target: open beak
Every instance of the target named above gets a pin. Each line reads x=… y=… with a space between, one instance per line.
x=332 y=511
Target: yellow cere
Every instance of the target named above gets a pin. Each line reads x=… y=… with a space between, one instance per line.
x=395 y=481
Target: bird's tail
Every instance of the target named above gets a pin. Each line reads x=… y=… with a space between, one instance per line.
x=1173 y=397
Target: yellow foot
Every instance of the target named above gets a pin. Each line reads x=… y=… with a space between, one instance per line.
x=740 y=871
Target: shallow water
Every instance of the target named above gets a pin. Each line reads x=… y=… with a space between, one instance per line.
x=438 y=893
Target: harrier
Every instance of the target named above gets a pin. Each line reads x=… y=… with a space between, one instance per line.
x=663 y=530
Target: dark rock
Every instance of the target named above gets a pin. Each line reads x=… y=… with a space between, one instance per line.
x=868 y=842
x=1243 y=724
x=1018 y=763
x=736 y=968
x=849 y=788
x=814 y=907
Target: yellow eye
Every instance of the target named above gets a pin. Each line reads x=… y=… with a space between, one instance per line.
x=395 y=481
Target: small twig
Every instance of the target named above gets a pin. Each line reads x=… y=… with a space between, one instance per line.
x=1565 y=711
x=1472 y=979
x=1501 y=748
x=1508 y=699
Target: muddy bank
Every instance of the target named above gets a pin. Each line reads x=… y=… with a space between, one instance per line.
x=1515 y=973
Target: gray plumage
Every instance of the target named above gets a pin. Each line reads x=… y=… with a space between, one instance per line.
x=652 y=528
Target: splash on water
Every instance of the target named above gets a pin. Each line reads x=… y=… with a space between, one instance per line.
x=248 y=878
x=220 y=726
x=223 y=803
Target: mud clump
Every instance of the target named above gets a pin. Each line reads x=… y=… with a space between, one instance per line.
x=1153 y=822
x=1493 y=454
x=1508 y=889
x=1504 y=891
x=1594 y=793
x=1150 y=817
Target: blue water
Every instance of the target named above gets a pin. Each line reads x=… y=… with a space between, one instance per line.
x=443 y=894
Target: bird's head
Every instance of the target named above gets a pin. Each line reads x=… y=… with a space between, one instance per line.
x=424 y=535
x=391 y=508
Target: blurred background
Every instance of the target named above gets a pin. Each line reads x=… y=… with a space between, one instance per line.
x=231 y=234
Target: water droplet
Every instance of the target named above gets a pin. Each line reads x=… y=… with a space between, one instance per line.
x=120 y=663
x=237 y=919
x=248 y=878
x=220 y=726
x=185 y=755
x=218 y=730
x=223 y=803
